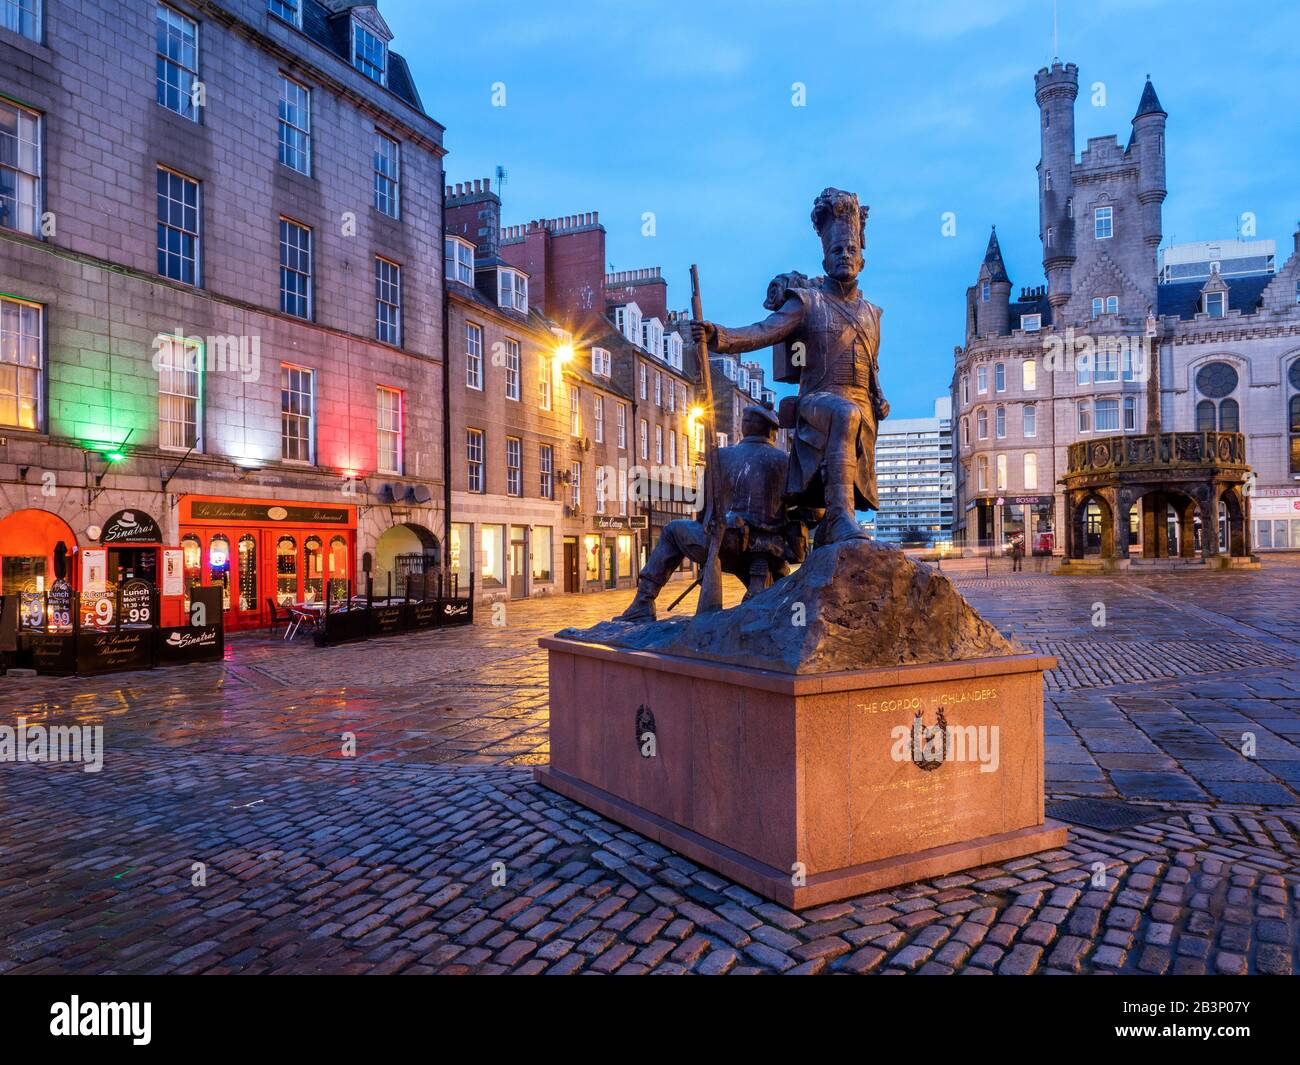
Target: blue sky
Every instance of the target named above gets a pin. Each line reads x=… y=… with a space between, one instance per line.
x=685 y=110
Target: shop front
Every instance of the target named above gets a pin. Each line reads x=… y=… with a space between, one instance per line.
x=29 y=540
x=1031 y=520
x=998 y=522
x=264 y=551
x=1275 y=514
x=611 y=552
x=514 y=561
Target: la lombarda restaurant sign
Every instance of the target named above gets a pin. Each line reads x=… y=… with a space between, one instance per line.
x=273 y=513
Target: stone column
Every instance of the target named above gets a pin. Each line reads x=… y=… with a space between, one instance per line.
x=1209 y=501
x=1118 y=500
x=1153 y=525
x=1187 y=530
x=1106 y=504
x=1065 y=529
x=1238 y=530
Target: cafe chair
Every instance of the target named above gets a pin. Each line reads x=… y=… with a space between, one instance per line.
x=276 y=617
x=302 y=619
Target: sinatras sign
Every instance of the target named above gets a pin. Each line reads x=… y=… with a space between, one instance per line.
x=130 y=527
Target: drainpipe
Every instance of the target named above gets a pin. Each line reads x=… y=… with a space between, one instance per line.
x=446 y=396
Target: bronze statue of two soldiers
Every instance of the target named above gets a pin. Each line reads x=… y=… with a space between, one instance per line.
x=827 y=338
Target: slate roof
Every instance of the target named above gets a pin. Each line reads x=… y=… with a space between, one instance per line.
x=1034 y=306
x=993 y=259
x=1183 y=298
x=1150 y=102
x=334 y=32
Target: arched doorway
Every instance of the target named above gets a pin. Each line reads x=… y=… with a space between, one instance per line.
x=402 y=551
x=1093 y=530
x=1234 y=533
x=1167 y=523
x=27 y=542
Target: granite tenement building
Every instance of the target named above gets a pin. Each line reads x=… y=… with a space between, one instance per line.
x=221 y=319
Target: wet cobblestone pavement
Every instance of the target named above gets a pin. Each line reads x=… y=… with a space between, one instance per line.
x=431 y=850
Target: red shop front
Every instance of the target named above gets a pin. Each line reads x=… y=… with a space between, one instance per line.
x=263 y=550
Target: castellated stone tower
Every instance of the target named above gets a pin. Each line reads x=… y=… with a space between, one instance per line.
x=1055 y=89
x=1149 y=137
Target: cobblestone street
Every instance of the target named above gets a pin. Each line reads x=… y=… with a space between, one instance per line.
x=431 y=850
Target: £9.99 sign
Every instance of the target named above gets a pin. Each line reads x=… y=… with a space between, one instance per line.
x=97 y=609
x=137 y=602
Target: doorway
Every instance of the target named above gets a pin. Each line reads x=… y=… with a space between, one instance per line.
x=251 y=566
x=570 y=563
x=518 y=562
x=611 y=562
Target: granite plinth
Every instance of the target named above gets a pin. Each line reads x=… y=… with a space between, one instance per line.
x=806 y=788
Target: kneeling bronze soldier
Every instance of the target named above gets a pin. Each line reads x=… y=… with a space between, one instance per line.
x=760 y=539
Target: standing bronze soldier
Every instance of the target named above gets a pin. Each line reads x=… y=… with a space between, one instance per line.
x=834 y=335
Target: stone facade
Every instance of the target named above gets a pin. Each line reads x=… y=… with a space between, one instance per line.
x=93 y=270
x=1108 y=347
x=601 y=395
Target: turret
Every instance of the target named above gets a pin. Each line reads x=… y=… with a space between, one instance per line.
x=1149 y=136
x=993 y=292
x=1055 y=89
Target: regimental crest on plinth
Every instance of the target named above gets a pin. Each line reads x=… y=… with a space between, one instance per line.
x=930 y=743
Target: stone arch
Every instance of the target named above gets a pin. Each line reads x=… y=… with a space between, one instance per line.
x=1095 y=536
x=28 y=539
x=403 y=549
x=1235 y=359
x=1233 y=400
x=1238 y=515
x=1153 y=506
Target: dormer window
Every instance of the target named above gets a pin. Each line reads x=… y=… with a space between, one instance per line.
x=1031 y=323
x=458 y=260
x=369 y=53
x=673 y=350
x=1215 y=304
x=512 y=290
x=602 y=365
x=984 y=291
x=628 y=320
x=652 y=337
